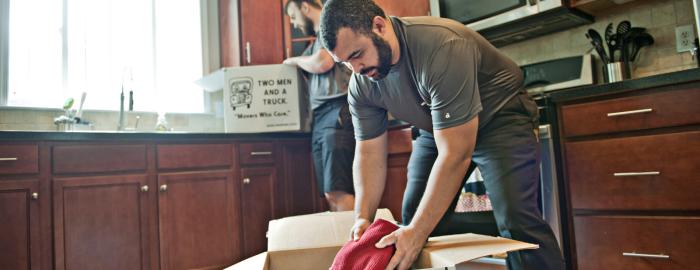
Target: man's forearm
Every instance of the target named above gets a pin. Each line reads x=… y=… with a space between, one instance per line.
x=445 y=180
x=369 y=174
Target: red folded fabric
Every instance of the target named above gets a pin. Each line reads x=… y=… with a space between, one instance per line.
x=362 y=254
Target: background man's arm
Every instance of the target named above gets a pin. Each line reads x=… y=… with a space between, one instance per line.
x=317 y=63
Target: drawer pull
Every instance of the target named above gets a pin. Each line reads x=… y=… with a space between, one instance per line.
x=246 y=181
x=9 y=159
x=624 y=174
x=614 y=114
x=642 y=255
x=266 y=153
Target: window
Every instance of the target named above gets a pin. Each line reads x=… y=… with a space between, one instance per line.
x=61 y=48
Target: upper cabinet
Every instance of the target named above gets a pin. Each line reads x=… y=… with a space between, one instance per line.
x=261 y=32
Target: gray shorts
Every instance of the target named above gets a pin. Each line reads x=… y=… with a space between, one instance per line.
x=333 y=147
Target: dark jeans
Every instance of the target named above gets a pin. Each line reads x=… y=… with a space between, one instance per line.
x=507 y=154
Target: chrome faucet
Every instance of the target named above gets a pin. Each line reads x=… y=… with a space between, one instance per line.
x=120 y=126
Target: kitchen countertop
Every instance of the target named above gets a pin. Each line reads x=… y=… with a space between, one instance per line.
x=672 y=78
x=146 y=135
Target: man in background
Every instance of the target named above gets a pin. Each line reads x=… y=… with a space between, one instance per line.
x=333 y=143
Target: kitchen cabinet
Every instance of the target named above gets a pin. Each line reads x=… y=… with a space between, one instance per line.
x=258 y=206
x=302 y=197
x=101 y=222
x=630 y=175
x=19 y=220
x=197 y=220
x=261 y=32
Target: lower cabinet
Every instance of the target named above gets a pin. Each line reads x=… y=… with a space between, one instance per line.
x=400 y=147
x=196 y=220
x=19 y=220
x=100 y=222
x=257 y=206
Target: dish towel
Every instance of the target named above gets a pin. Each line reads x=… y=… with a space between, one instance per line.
x=361 y=254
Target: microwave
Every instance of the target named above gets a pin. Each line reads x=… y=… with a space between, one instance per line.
x=504 y=22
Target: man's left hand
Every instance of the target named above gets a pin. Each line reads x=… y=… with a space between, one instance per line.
x=409 y=243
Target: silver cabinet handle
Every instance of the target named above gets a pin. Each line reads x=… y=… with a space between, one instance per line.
x=163 y=188
x=624 y=174
x=642 y=255
x=247 y=52
x=9 y=159
x=35 y=196
x=614 y=114
x=144 y=188
x=246 y=180
x=265 y=153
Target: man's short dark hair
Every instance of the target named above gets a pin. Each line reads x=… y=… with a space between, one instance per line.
x=355 y=14
x=313 y=3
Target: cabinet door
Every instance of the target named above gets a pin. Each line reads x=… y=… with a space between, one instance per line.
x=101 y=222
x=19 y=223
x=402 y=9
x=400 y=147
x=262 y=40
x=197 y=220
x=301 y=192
x=258 y=185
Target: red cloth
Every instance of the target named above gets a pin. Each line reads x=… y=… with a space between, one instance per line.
x=362 y=254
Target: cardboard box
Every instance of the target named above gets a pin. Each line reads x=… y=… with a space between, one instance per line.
x=263 y=98
x=312 y=241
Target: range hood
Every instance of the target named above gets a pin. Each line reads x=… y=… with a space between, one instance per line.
x=543 y=23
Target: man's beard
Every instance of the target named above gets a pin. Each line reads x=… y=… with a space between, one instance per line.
x=383 y=58
x=308 y=27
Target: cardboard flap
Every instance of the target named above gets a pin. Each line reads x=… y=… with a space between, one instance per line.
x=449 y=250
x=260 y=261
x=328 y=229
x=213 y=81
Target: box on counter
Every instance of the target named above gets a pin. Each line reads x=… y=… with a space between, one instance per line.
x=312 y=241
x=262 y=98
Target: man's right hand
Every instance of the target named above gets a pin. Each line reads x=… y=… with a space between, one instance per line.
x=361 y=224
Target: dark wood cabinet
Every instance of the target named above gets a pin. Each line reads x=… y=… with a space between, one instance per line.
x=400 y=147
x=19 y=220
x=101 y=222
x=630 y=176
x=197 y=220
x=258 y=206
x=261 y=32
x=300 y=189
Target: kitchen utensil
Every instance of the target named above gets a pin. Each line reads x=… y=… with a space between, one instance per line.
x=639 y=41
x=610 y=41
x=622 y=29
x=80 y=108
x=597 y=42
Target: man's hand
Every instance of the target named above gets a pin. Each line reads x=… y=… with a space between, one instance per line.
x=361 y=224
x=409 y=243
x=290 y=61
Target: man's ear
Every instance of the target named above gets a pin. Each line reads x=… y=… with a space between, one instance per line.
x=304 y=8
x=379 y=25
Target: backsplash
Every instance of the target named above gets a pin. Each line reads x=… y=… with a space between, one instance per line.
x=42 y=120
x=660 y=17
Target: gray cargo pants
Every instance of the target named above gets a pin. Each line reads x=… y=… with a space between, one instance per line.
x=507 y=154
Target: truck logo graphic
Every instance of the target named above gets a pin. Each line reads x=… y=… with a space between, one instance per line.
x=240 y=92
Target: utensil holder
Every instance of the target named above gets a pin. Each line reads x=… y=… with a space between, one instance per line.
x=616 y=71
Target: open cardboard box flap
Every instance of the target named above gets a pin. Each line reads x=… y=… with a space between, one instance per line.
x=311 y=242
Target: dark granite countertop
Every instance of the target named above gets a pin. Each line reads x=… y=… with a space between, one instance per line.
x=130 y=135
x=678 y=77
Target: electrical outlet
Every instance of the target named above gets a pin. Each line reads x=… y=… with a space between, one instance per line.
x=685 y=38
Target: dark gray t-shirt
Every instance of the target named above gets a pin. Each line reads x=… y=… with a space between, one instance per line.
x=447 y=75
x=326 y=86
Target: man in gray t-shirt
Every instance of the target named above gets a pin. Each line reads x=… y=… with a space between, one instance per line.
x=332 y=139
x=468 y=101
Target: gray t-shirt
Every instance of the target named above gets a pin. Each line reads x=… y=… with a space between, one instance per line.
x=447 y=75
x=326 y=86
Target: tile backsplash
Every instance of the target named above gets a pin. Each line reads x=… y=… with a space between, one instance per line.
x=659 y=17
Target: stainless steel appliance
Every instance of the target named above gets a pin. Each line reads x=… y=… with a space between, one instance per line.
x=549 y=190
x=507 y=21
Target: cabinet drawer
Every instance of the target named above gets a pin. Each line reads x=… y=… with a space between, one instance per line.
x=194 y=156
x=98 y=158
x=646 y=173
x=18 y=159
x=673 y=108
x=257 y=153
x=624 y=242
